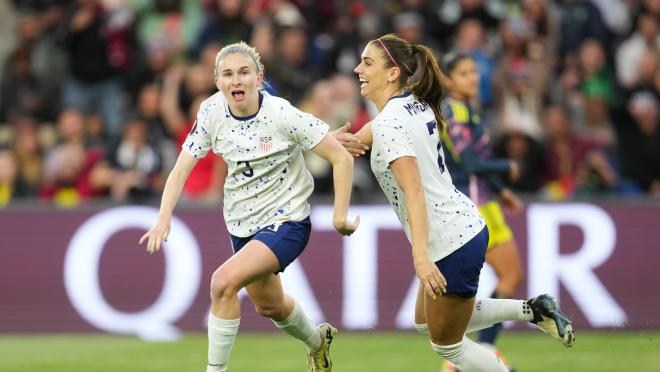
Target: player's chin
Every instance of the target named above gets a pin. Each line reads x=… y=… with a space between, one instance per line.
x=239 y=105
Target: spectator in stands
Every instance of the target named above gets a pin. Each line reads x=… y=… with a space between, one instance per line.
x=426 y=13
x=207 y=59
x=263 y=40
x=586 y=88
x=291 y=72
x=528 y=154
x=541 y=22
x=68 y=165
x=206 y=181
x=136 y=163
x=521 y=82
x=520 y=95
x=410 y=26
x=71 y=127
x=471 y=39
x=28 y=156
x=569 y=159
x=151 y=61
x=580 y=20
x=67 y=175
x=455 y=12
x=196 y=83
x=38 y=31
x=225 y=24
x=173 y=24
x=97 y=52
x=651 y=7
x=615 y=14
x=630 y=52
x=639 y=139
x=85 y=54
x=350 y=33
x=34 y=70
x=21 y=91
x=598 y=92
x=148 y=109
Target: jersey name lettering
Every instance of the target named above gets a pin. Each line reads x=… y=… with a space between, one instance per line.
x=415 y=108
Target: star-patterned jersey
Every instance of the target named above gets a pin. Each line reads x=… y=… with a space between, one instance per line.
x=407 y=127
x=267 y=180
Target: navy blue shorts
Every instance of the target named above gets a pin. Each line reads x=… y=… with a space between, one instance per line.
x=463 y=266
x=287 y=241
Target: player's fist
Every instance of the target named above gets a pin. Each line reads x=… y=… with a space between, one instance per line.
x=345 y=227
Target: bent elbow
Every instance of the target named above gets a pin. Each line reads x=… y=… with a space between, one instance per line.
x=343 y=159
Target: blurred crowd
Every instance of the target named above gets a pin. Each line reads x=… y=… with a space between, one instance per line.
x=97 y=96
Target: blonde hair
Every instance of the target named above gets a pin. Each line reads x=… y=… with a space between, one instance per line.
x=240 y=47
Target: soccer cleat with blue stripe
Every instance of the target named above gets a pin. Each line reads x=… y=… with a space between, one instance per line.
x=320 y=361
x=549 y=319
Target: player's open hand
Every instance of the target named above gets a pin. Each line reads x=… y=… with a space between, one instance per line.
x=156 y=236
x=345 y=227
x=350 y=141
x=431 y=279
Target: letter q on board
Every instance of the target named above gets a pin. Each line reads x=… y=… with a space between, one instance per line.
x=183 y=267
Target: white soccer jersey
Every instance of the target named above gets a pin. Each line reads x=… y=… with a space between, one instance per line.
x=267 y=180
x=407 y=127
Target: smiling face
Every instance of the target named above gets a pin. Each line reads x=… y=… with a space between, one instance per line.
x=463 y=79
x=377 y=81
x=239 y=81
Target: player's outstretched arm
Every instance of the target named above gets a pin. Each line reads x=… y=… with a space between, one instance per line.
x=406 y=173
x=342 y=172
x=175 y=181
x=356 y=144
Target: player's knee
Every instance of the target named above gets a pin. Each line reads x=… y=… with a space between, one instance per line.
x=446 y=339
x=223 y=284
x=268 y=310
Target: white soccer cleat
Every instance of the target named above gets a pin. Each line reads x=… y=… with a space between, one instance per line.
x=549 y=319
x=320 y=361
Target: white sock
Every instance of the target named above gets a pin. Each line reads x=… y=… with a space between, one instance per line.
x=422 y=328
x=222 y=333
x=490 y=311
x=300 y=327
x=469 y=356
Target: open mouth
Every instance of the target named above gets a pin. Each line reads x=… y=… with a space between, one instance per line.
x=238 y=95
x=363 y=82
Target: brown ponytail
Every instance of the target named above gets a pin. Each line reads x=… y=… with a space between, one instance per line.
x=429 y=86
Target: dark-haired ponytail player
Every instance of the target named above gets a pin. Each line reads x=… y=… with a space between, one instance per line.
x=448 y=235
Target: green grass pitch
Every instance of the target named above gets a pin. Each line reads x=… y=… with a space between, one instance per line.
x=351 y=352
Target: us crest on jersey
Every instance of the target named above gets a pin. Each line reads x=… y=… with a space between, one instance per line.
x=266 y=143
